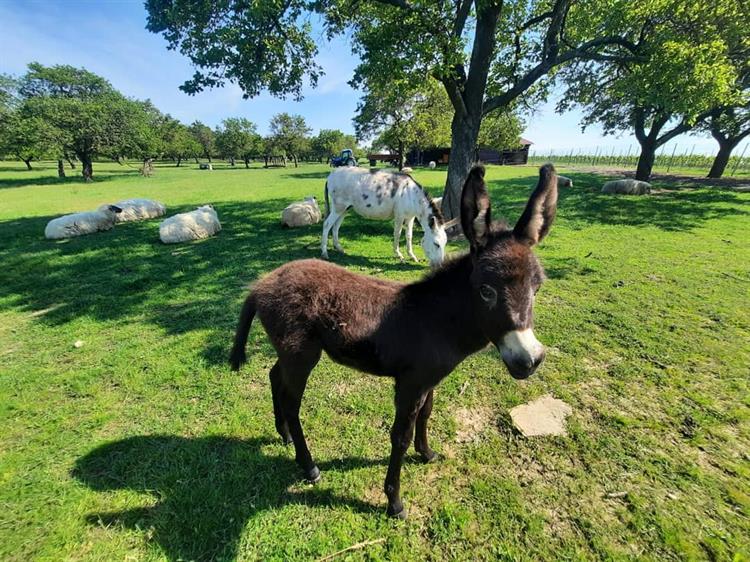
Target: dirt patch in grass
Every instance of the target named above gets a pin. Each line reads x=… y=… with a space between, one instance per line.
x=471 y=423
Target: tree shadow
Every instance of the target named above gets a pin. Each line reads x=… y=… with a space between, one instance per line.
x=10 y=183
x=127 y=274
x=205 y=489
x=672 y=208
x=308 y=175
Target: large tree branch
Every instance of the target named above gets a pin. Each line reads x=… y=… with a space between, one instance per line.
x=397 y=3
x=462 y=13
x=455 y=95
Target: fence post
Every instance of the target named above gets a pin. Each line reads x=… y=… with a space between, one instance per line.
x=737 y=163
x=669 y=166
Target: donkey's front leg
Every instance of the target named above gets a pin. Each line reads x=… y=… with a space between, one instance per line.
x=402 y=432
x=398 y=224
x=409 y=235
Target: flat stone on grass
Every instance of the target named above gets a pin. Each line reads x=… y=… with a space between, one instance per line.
x=543 y=416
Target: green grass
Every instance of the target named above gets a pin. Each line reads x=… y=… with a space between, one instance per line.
x=142 y=445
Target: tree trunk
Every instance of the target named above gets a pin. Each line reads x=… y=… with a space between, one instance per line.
x=209 y=157
x=87 y=167
x=196 y=160
x=179 y=161
x=464 y=133
x=27 y=161
x=60 y=168
x=721 y=160
x=231 y=160
x=70 y=161
x=247 y=162
x=400 y=155
x=646 y=160
x=294 y=156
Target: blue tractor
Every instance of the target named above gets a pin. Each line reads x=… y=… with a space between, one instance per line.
x=346 y=158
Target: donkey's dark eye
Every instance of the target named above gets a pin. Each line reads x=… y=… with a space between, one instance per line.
x=488 y=293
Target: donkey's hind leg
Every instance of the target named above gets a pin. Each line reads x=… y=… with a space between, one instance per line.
x=327 y=225
x=295 y=370
x=336 y=227
x=281 y=426
x=420 y=437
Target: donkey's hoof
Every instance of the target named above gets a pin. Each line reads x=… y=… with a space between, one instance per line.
x=429 y=456
x=312 y=476
x=401 y=515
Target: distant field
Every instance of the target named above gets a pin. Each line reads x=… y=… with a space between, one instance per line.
x=142 y=445
x=683 y=164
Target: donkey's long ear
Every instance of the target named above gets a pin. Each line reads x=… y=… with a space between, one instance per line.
x=539 y=213
x=476 y=209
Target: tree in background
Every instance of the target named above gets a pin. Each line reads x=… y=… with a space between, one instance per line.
x=501 y=130
x=289 y=133
x=84 y=113
x=204 y=136
x=179 y=144
x=328 y=142
x=485 y=53
x=401 y=117
x=729 y=127
x=684 y=72
x=237 y=137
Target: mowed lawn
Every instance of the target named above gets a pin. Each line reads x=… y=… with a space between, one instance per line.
x=142 y=445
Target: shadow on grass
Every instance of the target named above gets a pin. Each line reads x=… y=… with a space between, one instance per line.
x=127 y=273
x=308 y=175
x=72 y=178
x=678 y=209
x=205 y=489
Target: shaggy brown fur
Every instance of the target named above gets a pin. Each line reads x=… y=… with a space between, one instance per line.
x=416 y=333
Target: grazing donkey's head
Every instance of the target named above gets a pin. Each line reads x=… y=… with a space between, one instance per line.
x=434 y=240
x=506 y=274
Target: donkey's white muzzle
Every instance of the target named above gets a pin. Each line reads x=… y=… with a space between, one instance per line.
x=521 y=352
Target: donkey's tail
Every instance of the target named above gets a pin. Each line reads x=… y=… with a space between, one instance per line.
x=237 y=357
x=328 y=203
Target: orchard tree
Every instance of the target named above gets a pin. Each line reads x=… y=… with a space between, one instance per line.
x=729 y=127
x=178 y=143
x=685 y=71
x=289 y=134
x=238 y=138
x=204 y=136
x=403 y=117
x=501 y=130
x=328 y=142
x=28 y=136
x=88 y=116
x=485 y=53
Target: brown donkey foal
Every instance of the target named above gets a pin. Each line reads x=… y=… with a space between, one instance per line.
x=415 y=333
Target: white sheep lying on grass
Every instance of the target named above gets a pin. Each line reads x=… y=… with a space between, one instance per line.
x=301 y=213
x=201 y=223
x=627 y=187
x=139 y=209
x=78 y=224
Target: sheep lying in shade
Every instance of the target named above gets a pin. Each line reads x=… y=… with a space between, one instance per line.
x=627 y=187
x=78 y=224
x=301 y=213
x=139 y=209
x=201 y=223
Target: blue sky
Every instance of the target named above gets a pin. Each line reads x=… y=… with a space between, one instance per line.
x=109 y=38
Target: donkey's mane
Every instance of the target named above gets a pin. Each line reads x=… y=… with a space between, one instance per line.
x=437 y=213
